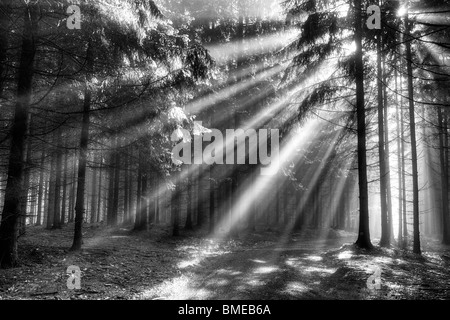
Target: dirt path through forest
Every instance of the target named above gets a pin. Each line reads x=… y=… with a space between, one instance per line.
x=120 y=264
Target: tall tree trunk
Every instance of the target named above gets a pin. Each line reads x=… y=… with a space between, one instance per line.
x=385 y=235
x=144 y=202
x=126 y=193
x=137 y=219
x=5 y=12
x=99 y=202
x=211 y=200
x=444 y=181
x=58 y=174
x=387 y=154
x=51 y=192
x=11 y=208
x=152 y=197
x=94 y=195
x=115 y=208
x=363 y=240
x=253 y=208
x=64 y=186
x=200 y=196
x=26 y=180
x=412 y=124
x=405 y=224
x=190 y=190
x=399 y=160
x=41 y=189
x=82 y=161
x=158 y=202
x=175 y=207
x=111 y=176
x=73 y=191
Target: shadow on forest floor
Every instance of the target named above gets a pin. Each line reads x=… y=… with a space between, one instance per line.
x=119 y=264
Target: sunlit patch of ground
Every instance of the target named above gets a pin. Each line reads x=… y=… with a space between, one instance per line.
x=119 y=264
x=178 y=288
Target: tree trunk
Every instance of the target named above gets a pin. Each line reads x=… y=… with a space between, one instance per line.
x=58 y=174
x=111 y=176
x=363 y=240
x=253 y=208
x=211 y=200
x=82 y=162
x=41 y=189
x=399 y=160
x=51 y=192
x=200 y=197
x=144 y=202
x=126 y=194
x=64 y=186
x=94 y=202
x=99 y=202
x=385 y=235
x=5 y=12
x=115 y=208
x=412 y=124
x=176 y=209
x=26 y=180
x=387 y=154
x=190 y=190
x=73 y=191
x=137 y=219
x=11 y=208
x=444 y=181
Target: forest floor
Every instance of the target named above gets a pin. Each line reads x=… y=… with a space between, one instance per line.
x=121 y=264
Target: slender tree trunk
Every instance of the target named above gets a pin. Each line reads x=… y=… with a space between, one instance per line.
x=200 y=197
x=11 y=208
x=151 y=199
x=126 y=197
x=277 y=201
x=211 y=200
x=190 y=190
x=58 y=174
x=144 y=202
x=111 y=175
x=253 y=209
x=41 y=189
x=5 y=14
x=444 y=181
x=51 y=192
x=175 y=207
x=158 y=202
x=73 y=191
x=64 y=186
x=115 y=208
x=100 y=181
x=82 y=162
x=137 y=219
x=385 y=236
x=387 y=154
x=363 y=240
x=26 y=180
x=399 y=160
x=412 y=123
x=94 y=203
x=130 y=201
x=45 y=201
x=405 y=225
